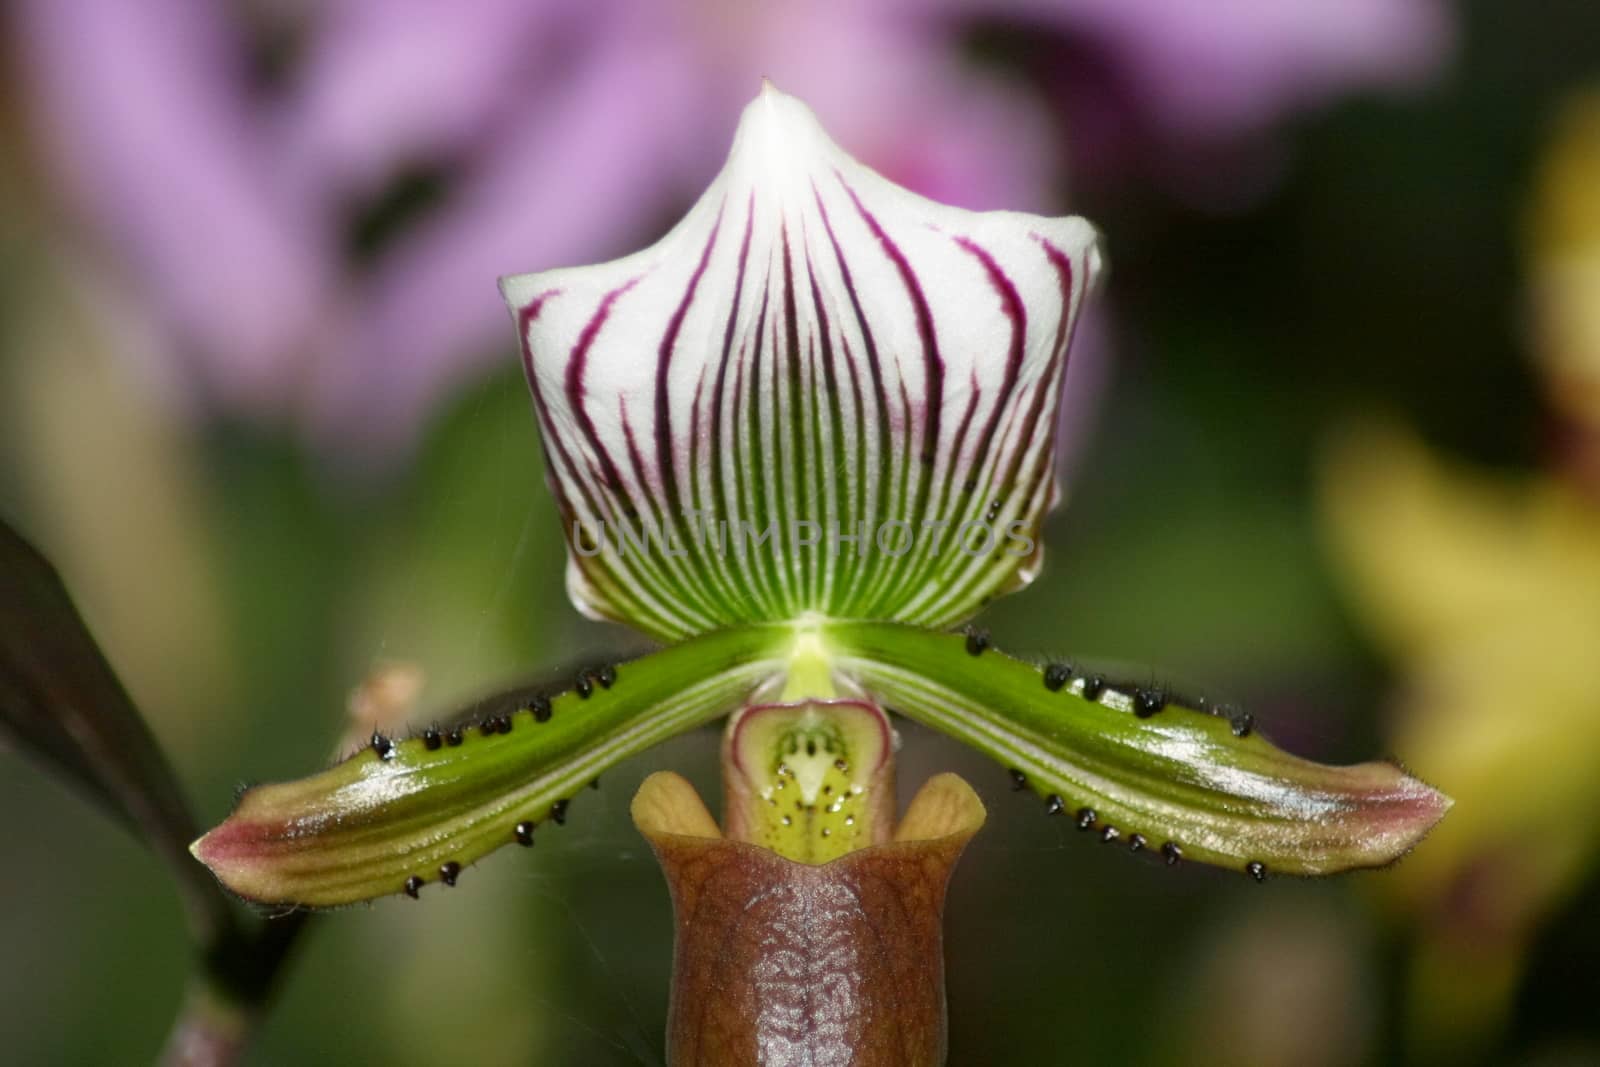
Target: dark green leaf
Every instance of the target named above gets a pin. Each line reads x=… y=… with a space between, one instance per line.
x=63 y=702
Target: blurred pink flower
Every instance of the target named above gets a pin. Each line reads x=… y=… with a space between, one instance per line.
x=1190 y=92
x=226 y=196
x=223 y=155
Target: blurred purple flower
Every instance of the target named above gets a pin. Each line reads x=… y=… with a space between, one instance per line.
x=227 y=193
x=225 y=155
x=1190 y=91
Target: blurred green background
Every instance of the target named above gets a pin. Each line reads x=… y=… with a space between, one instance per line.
x=245 y=575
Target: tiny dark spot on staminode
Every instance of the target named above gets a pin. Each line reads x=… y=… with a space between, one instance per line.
x=1087 y=818
x=1172 y=852
x=524 y=832
x=1056 y=675
x=453 y=737
x=503 y=724
x=827 y=789
x=1053 y=804
x=540 y=706
x=970 y=485
x=413 y=886
x=1136 y=843
x=594 y=783
x=1257 y=870
x=1147 y=702
x=606 y=676
x=1093 y=686
x=431 y=738
x=811 y=747
x=977 y=641
x=1019 y=781
x=584 y=686
x=840 y=765
x=449 y=871
x=382 y=746
x=1110 y=834
x=558 y=812
x=1242 y=724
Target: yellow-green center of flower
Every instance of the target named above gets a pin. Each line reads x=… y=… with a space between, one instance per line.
x=811 y=779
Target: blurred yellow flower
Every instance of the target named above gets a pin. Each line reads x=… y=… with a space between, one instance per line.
x=1484 y=589
x=1563 y=246
x=1487 y=593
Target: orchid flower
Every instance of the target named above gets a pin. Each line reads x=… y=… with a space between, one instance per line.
x=798 y=441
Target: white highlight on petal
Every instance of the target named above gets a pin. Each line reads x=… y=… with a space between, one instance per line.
x=818 y=393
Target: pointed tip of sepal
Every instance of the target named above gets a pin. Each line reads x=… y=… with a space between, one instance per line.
x=778 y=125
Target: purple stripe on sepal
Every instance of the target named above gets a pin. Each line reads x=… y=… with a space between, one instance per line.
x=663 y=427
x=577 y=365
x=933 y=364
x=1011 y=305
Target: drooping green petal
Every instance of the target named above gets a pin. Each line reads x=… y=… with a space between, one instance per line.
x=400 y=815
x=819 y=392
x=1137 y=770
